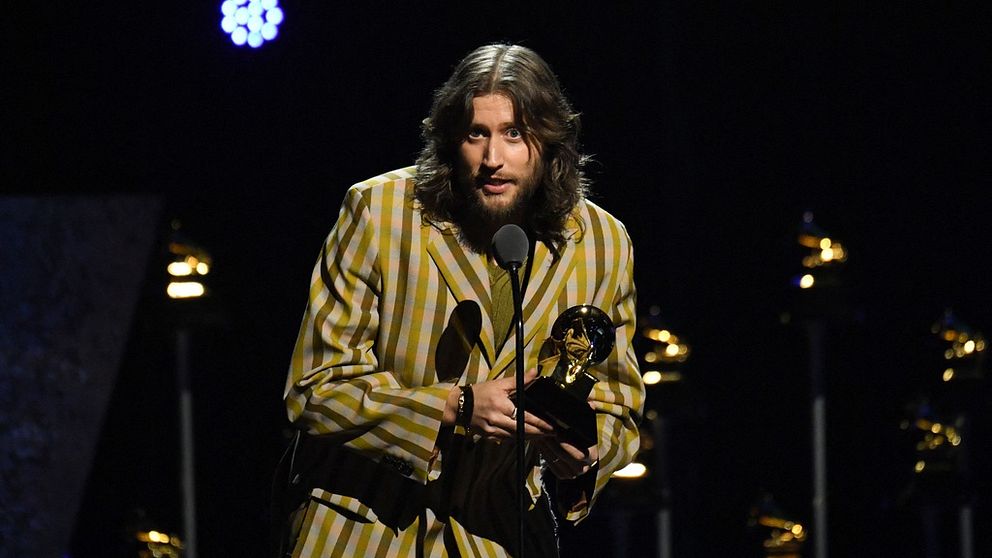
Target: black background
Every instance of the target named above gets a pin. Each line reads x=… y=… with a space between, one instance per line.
x=713 y=128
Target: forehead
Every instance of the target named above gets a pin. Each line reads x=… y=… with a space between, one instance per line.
x=492 y=108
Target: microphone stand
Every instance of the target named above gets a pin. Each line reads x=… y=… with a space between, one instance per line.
x=510 y=245
x=519 y=324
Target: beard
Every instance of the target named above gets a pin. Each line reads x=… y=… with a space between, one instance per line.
x=498 y=214
x=478 y=206
x=479 y=217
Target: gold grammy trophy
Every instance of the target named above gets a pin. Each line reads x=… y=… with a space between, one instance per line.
x=581 y=337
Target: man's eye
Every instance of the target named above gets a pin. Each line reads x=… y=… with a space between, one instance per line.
x=475 y=134
x=514 y=133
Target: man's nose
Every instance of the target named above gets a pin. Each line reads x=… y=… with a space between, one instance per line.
x=493 y=157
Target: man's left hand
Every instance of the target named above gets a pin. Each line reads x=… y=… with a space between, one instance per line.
x=566 y=460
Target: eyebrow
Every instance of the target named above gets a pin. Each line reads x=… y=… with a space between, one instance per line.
x=499 y=126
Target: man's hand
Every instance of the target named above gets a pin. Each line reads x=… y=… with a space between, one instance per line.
x=494 y=414
x=566 y=460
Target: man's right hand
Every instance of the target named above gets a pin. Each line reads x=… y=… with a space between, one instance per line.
x=494 y=414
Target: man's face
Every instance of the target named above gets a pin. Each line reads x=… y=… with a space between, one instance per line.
x=497 y=166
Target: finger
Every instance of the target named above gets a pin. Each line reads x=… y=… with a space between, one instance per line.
x=507 y=422
x=499 y=429
x=534 y=427
x=569 y=468
x=530 y=376
x=493 y=419
x=574 y=453
x=538 y=423
x=509 y=383
x=567 y=460
x=532 y=433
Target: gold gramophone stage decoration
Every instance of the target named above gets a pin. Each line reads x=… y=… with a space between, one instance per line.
x=581 y=337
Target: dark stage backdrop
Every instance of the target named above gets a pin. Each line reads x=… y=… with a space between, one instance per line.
x=713 y=128
x=72 y=271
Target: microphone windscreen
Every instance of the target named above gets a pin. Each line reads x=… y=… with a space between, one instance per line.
x=510 y=246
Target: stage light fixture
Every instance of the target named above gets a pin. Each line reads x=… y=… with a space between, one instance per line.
x=966 y=349
x=653 y=377
x=251 y=22
x=634 y=470
x=825 y=253
x=664 y=354
x=159 y=544
x=935 y=441
x=185 y=289
x=784 y=537
x=186 y=270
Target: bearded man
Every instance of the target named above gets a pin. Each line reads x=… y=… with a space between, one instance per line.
x=403 y=372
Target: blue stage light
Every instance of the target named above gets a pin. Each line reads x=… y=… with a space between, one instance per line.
x=251 y=22
x=254 y=24
x=269 y=31
x=239 y=35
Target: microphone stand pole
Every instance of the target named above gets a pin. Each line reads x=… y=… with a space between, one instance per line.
x=519 y=357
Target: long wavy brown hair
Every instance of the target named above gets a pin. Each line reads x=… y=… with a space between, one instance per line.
x=545 y=118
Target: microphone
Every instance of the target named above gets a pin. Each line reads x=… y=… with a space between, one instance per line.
x=510 y=246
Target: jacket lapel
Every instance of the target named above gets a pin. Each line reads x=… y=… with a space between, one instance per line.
x=547 y=280
x=467 y=278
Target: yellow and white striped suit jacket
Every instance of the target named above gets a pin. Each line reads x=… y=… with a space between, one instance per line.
x=398 y=313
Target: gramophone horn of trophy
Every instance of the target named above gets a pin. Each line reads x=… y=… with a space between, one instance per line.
x=581 y=337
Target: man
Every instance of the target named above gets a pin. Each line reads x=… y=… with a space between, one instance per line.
x=403 y=371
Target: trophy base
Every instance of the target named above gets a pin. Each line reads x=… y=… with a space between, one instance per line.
x=573 y=419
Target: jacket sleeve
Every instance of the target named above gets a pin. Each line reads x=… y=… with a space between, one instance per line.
x=618 y=401
x=336 y=386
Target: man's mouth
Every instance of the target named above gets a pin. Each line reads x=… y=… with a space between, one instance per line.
x=496 y=184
